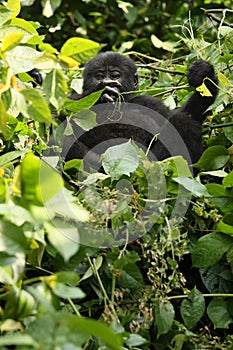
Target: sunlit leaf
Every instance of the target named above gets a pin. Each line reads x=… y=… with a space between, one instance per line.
x=223 y=79
x=49 y=6
x=120 y=160
x=64 y=237
x=204 y=91
x=11 y=40
x=37 y=108
x=22 y=58
x=55 y=88
x=39 y=181
x=81 y=49
x=13 y=5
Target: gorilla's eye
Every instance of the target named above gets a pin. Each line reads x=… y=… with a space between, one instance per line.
x=99 y=75
x=115 y=75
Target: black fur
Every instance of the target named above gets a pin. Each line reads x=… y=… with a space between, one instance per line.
x=179 y=132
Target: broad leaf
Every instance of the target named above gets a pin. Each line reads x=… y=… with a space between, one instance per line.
x=22 y=58
x=86 y=119
x=193 y=186
x=55 y=88
x=131 y=277
x=193 y=308
x=120 y=160
x=84 y=103
x=39 y=181
x=81 y=49
x=164 y=316
x=218 y=313
x=209 y=249
x=213 y=158
x=37 y=108
x=11 y=40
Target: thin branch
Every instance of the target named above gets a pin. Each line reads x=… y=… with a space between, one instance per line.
x=211 y=15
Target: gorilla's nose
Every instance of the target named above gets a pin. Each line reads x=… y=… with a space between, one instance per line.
x=108 y=82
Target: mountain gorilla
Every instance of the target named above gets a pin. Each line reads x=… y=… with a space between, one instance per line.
x=123 y=115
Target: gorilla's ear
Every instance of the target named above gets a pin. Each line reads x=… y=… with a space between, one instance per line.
x=136 y=80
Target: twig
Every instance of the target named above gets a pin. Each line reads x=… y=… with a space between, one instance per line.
x=209 y=13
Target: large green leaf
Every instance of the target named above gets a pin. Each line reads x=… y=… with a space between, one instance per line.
x=209 y=249
x=22 y=58
x=193 y=186
x=55 y=88
x=84 y=103
x=12 y=239
x=120 y=160
x=218 y=313
x=37 y=108
x=131 y=277
x=64 y=237
x=164 y=316
x=4 y=14
x=39 y=181
x=80 y=49
x=192 y=308
x=213 y=158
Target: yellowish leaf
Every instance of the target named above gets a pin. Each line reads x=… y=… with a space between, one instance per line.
x=204 y=91
x=223 y=80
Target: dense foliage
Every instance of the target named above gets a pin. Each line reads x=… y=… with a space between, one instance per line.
x=138 y=256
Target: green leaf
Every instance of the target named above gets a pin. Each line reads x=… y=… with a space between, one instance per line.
x=84 y=103
x=131 y=277
x=228 y=180
x=120 y=160
x=22 y=58
x=223 y=80
x=63 y=291
x=54 y=87
x=18 y=340
x=193 y=186
x=213 y=158
x=80 y=49
x=49 y=7
x=28 y=26
x=37 y=108
x=135 y=340
x=4 y=14
x=12 y=239
x=225 y=228
x=13 y=5
x=98 y=263
x=193 y=308
x=3 y=119
x=164 y=316
x=209 y=249
x=64 y=237
x=219 y=314
x=11 y=40
x=39 y=181
x=166 y=45
x=228 y=131
x=86 y=119
x=99 y=330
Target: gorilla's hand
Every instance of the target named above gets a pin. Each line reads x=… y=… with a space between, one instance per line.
x=110 y=94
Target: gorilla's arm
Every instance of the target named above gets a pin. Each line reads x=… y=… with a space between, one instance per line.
x=197 y=104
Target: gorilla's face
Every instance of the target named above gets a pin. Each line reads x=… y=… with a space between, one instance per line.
x=112 y=72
